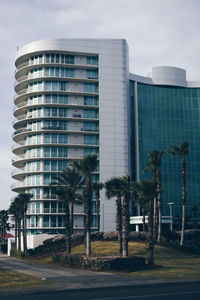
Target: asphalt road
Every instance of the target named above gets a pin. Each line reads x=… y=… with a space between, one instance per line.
x=66 y=283
x=170 y=291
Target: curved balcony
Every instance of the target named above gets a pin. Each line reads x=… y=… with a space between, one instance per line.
x=75 y=117
x=24 y=80
x=22 y=109
x=18 y=98
x=23 y=68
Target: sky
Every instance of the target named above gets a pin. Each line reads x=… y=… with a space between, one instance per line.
x=158 y=32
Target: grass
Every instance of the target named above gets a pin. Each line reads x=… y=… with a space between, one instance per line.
x=10 y=279
x=169 y=262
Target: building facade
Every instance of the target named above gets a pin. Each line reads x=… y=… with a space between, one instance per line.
x=75 y=97
x=71 y=100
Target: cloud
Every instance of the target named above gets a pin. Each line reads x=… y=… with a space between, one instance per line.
x=158 y=32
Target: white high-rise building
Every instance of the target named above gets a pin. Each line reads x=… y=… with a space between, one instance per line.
x=71 y=100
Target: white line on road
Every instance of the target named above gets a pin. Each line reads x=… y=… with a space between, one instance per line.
x=147 y=296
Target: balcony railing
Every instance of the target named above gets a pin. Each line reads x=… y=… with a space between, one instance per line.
x=25 y=64
x=22 y=130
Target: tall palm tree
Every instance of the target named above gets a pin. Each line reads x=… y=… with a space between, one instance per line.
x=86 y=167
x=4 y=224
x=65 y=186
x=181 y=151
x=24 y=199
x=97 y=187
x=113 y=189
x=154 y=163
x=15 y=211
x=140 y=200
x=147 y=190
x=126 y=193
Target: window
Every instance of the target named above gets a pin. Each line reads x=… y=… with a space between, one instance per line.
x=91 y=113
x=92 y=74
x=91 y=126
x=91 y=101
x=60 y=99
x=92 y=60
x=69 y=59
x=91 y=139
x=91 y=87
x=88 y=151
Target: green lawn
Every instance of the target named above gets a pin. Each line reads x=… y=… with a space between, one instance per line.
x=170 y=263
x=10 y=279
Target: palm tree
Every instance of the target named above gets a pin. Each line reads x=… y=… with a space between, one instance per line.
x=24 y=199
x=140 y=200
x=113 y=189
x=4 y=224
x=97 y=187
x=15 y=211
x=146 y=190
x=154 y=163
x=65 y=186
x=126 y=192
x=86 y=167
x=181 y=151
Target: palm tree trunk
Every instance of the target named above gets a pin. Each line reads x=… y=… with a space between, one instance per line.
x=154 y=207
x=71 y=216
x=183 y=171
x=143 y=218
x=159 y=206
x=67 y=229
x=97 y=212
x=150 y=237
x=15 y=234
x=119 y=224
x=88 y=214
x=19 y=234
x=125 y=226
x=24 y=234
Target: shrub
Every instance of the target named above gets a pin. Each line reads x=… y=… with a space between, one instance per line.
x=101 y=263
x=15 y=253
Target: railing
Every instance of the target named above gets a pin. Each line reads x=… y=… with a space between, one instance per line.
x=24 y=91
x=18 y=171
x=25 y=64
x=16 y=185
x=21 y=131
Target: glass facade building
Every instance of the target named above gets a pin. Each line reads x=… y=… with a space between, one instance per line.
x=162 y=115
x=75 y=97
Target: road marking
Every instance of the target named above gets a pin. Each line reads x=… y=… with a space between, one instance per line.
x=148 y=296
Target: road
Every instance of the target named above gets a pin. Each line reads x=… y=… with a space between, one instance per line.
x=67 y=283
x=155 y=292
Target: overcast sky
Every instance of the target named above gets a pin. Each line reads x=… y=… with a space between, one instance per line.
x=158 y=32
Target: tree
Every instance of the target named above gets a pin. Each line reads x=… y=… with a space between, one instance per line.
x=97 y=187
x=146 y=190
x=24 y=199
x=154 y=163
x=113 y=189
x=86 y=167
x=15 y=211
x=65 y=186
x=140 y=200
x=126 y=192
x=4 y=224
x=181 y=151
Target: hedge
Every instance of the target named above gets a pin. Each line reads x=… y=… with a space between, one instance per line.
x=101 y=263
